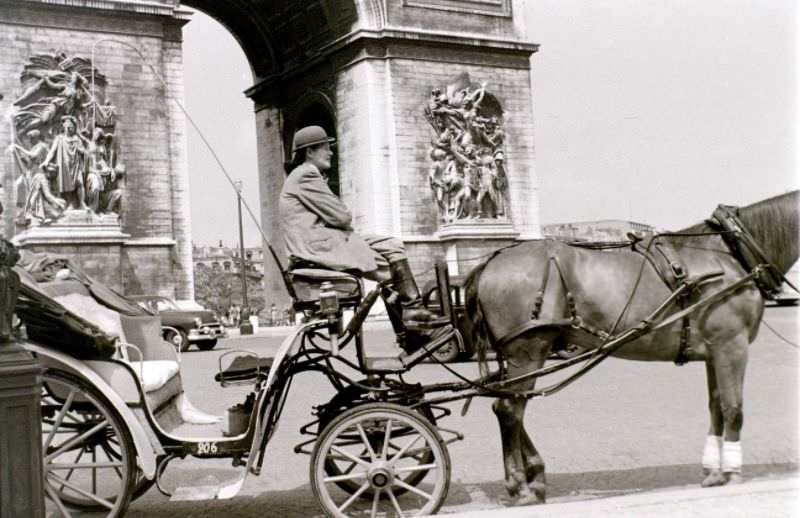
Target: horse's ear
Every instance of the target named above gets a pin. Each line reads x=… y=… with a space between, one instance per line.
x=721 y=214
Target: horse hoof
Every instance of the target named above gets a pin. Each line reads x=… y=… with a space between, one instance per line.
x=512 y=487
x=529 y=499
x=539 y=490
x=714 y=478
x=734 y=478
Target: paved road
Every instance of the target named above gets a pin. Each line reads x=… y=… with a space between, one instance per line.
x=626 y=427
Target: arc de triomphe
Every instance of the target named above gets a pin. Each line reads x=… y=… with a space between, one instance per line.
x=430 y=100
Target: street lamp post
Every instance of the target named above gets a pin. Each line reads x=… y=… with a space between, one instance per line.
x=245 y=327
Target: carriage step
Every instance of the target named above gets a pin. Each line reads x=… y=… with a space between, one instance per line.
x=209 y=490
x=189 y=493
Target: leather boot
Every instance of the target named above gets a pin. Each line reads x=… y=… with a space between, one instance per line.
x=414 y=311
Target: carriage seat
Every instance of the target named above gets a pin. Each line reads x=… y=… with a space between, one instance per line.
x=154 y=361
x=307 y=278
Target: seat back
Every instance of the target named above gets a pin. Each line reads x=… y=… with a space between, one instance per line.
x=145 y=332
x=443 y=285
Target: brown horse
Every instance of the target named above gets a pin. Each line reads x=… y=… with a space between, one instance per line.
x=530 y=298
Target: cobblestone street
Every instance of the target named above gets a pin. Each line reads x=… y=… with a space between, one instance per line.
x=625 y=428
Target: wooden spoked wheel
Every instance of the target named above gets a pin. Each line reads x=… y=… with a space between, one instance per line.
x=334 y=467
x=381 y=448
x=89 y=456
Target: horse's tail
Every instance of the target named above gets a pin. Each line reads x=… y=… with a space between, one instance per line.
x=482 y=340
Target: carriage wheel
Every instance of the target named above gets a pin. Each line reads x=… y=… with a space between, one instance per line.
x=386 y=469
x=89 y=457
x=335 y=467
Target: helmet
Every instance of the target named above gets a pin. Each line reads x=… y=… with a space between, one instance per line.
x=310 y=136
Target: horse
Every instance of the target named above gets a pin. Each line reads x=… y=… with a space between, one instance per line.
x=536 y=296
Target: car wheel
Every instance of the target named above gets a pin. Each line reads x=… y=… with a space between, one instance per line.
x=570 y=351
x=206 y=345
x=177 y=339
x=446 y=353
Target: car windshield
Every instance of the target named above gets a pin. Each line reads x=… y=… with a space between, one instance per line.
x=162 y=304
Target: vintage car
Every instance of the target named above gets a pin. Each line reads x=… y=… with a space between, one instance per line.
x=182 y=327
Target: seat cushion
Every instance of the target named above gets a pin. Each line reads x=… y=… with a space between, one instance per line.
x=155 y=374
x=307 y=282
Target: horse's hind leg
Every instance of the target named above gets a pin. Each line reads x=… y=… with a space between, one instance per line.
x=523 y=466
x=509 y=417
x=534 y=466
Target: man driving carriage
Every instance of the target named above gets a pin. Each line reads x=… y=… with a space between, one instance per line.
x=317 y=229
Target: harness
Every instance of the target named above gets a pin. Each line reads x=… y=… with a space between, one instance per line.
x=657 y=250
x=747 y=251
x=667 y=263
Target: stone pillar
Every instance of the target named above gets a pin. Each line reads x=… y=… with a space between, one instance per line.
x=270 y=179
x=181 y=219
x=21 y=479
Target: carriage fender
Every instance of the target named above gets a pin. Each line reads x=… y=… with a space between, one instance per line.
x=145 y=451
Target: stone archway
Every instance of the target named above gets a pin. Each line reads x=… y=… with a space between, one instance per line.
x=363 y=68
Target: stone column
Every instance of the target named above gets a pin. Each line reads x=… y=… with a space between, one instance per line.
x=270 y=180
x=21 y=479
x=181 y=219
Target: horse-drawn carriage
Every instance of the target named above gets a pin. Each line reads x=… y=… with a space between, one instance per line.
x=114 y=414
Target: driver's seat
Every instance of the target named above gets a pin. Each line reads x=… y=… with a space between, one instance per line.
x=304 y=280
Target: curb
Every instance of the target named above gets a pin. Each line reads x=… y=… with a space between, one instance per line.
x=776 y=497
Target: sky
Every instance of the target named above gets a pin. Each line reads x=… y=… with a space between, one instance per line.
x=651 y=111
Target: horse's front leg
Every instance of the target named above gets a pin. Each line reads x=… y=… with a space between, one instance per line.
x=712 y=451
x=726 y=406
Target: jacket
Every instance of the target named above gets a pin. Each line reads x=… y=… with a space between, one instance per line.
x=317 y=225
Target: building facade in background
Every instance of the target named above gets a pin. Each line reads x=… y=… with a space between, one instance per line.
x=228 y=259
x=600 y=230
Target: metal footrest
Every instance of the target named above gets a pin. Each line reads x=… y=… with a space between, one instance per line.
x=404 y=361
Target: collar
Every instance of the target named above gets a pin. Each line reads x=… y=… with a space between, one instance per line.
x=315 y=168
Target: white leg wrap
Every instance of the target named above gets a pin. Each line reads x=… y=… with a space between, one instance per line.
x=731 y=457
x=712 y=452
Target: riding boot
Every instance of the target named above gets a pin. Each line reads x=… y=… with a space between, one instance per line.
x=414 y=312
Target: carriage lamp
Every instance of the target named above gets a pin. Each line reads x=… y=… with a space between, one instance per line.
x=329 y=306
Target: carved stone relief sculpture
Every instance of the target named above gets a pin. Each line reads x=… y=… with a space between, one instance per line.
x=467 y=175
x=63 y=146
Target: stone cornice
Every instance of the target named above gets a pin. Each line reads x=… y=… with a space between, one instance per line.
x=91 y=18
x=402 y=43
x=136 y=6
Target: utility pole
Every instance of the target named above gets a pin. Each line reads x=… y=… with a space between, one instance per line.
x=245 y=327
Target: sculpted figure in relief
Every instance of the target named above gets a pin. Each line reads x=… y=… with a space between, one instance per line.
x=69 y=124
x=466 y=177
x=68 y=154
x=42 y=206
x=27 y=162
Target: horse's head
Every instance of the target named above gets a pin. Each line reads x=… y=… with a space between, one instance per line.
x=774 y=223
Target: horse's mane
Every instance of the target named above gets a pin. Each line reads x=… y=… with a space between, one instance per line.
x=773 y=223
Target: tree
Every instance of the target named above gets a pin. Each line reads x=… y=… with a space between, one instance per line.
x=216 y=289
